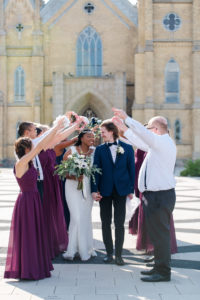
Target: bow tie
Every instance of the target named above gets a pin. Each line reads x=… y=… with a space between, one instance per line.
x=110 y=144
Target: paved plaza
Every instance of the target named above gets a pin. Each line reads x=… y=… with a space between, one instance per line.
x=96 y=281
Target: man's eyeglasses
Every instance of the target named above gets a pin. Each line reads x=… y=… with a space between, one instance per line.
x=150 y=127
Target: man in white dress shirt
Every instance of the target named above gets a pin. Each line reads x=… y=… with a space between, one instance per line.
x=156 y=182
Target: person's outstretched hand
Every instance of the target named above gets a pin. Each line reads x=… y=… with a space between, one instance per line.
x=119 y=113
x=119 y=123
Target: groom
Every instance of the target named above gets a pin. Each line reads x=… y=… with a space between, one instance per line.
x=116 y=160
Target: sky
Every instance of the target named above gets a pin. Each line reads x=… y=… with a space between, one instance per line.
x=132 y=1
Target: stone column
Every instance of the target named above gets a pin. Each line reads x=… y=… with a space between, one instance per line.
x=196 y=79
x=139 y=59
x=149 y=57
x=120 y=90
x=38 y=68
x=3 y=86
x=37 y=88
x=58 y=94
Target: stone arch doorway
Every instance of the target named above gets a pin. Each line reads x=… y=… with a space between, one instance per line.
x=91 y=104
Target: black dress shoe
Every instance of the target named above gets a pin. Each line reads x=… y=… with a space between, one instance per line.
x=150 y=265
x=156 y=277
x=150 y=272
x=119 y=261
x=149 y=259
x=108 y=259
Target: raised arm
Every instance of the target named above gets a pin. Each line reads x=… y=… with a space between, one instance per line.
x=22 y=165
x=135 y=140
x=148 y=137
x=64 y=144
x=142 y=132
x=131 y=137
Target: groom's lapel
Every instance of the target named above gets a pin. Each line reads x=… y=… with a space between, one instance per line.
x=107 y=149
x=118 y=155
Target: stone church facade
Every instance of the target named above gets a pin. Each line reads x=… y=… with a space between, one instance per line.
x=88 y=56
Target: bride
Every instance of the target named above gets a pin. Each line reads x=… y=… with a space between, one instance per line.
x=80 y=207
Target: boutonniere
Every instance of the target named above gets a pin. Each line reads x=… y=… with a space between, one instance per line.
x=120 y=150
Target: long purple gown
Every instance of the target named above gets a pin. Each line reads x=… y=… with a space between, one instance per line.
x=52 y=205
x=28 y=255
x=137 y=222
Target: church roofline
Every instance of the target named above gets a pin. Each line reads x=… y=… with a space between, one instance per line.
x=53 y=6
x=129 y=10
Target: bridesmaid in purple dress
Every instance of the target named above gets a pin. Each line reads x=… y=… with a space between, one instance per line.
x=137 y=222
x=54 y=219
x=28 y=254
x=52 y=205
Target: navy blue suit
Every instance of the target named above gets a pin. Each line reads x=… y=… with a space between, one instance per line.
x=120 y=174
x=114 y=184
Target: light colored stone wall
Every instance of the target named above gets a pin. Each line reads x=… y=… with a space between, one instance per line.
x=182 y=53
x=116 y=58
x=183 y=10
x=113 y=31
x=104 y=94
x=136 y=55
x=167 y=45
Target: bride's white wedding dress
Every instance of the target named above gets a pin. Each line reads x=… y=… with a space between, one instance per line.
x=80 y=227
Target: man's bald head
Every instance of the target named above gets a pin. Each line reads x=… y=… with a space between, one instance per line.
x=159 y=123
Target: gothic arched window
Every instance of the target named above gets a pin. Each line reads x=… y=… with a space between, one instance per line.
x=177 y=131
x=172 y=85
x=19 y=84
x=89 y=53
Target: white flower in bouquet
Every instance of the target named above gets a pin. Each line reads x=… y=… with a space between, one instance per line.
x=66 y=120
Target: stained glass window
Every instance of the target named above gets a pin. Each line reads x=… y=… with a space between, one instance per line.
x=172 y=22
x=172 y=75
x=177 y=131
x=19 y=84
x=89 y=53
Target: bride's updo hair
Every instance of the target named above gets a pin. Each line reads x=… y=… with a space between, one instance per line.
x=21 y=145
x=81 y=134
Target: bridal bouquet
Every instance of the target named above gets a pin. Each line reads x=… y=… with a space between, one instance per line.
x=77 y=165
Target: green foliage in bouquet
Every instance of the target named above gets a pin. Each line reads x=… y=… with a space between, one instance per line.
x=192 y=168
x=77 y=165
